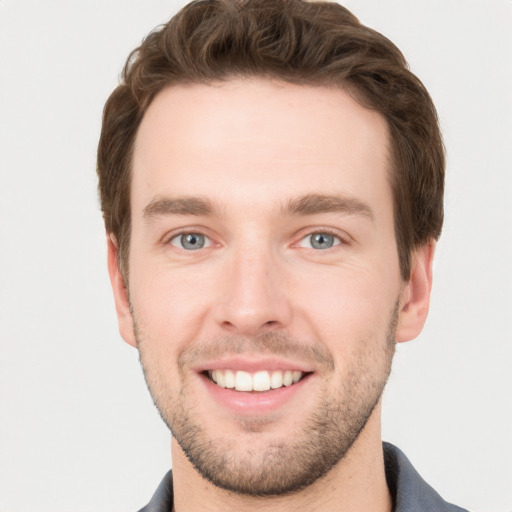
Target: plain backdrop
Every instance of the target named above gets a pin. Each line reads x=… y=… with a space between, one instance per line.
x=78 y=431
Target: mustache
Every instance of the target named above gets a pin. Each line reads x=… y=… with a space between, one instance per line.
x=278 y=344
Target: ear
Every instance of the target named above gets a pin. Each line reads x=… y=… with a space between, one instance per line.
x=415 y=298
x=124 y=315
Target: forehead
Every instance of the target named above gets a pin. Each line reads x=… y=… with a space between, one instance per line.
x=260 y=139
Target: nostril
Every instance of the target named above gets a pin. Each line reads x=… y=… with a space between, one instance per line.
x=226 y=324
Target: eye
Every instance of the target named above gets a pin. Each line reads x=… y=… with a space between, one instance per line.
x=319 y=241
x=190 y=241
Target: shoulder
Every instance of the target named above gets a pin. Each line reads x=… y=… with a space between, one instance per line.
x=410 y=492
x=162 y=498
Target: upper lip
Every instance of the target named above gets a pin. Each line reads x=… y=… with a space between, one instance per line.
x=253 y=365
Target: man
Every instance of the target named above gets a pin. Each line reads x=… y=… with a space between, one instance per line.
x=271 y=177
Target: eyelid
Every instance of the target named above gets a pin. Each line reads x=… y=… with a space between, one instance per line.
x=178 y=245
x=345 y=239
x=188 y=230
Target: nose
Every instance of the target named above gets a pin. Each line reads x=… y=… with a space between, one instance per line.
x=253 y=296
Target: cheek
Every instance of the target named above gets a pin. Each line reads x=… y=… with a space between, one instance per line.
x=173 y=304
x=348 y=309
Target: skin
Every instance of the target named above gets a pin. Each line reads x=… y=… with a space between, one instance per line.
x=254 y=148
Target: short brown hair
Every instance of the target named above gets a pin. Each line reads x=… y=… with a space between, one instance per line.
x=301 y=42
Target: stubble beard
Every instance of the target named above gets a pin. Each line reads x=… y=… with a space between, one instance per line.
x=285 y=465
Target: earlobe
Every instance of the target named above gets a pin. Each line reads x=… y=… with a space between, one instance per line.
x=124 y=315
x=415 y=297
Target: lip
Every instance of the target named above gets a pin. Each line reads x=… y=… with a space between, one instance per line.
x=254 y=403
x=253 y=365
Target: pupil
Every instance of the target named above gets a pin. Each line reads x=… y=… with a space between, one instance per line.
x=322 y=241
x=192 y=241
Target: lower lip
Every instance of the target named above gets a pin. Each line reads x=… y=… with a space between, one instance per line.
x=257 y=402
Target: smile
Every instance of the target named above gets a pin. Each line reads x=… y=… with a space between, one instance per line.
x=263 y=380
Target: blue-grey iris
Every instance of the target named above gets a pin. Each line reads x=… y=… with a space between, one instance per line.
x=192 y=241
x=321 y=240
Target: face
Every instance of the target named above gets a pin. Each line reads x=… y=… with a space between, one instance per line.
x=264 y=285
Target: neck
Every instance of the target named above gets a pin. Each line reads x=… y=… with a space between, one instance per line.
x=356 y=484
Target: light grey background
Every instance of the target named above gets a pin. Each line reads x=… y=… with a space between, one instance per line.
x=78 y=431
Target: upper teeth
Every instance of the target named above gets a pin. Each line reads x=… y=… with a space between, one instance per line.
x=259 y=381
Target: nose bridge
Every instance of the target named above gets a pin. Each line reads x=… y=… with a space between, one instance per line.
x=253 y=298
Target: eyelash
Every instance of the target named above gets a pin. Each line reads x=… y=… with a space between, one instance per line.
x=189 y=231
x=343 y=239
x=327 y=231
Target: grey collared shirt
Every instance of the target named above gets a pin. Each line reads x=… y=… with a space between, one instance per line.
x=409 y=491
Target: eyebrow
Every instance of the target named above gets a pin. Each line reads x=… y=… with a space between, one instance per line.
x=186 y=205
x=309 y=204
